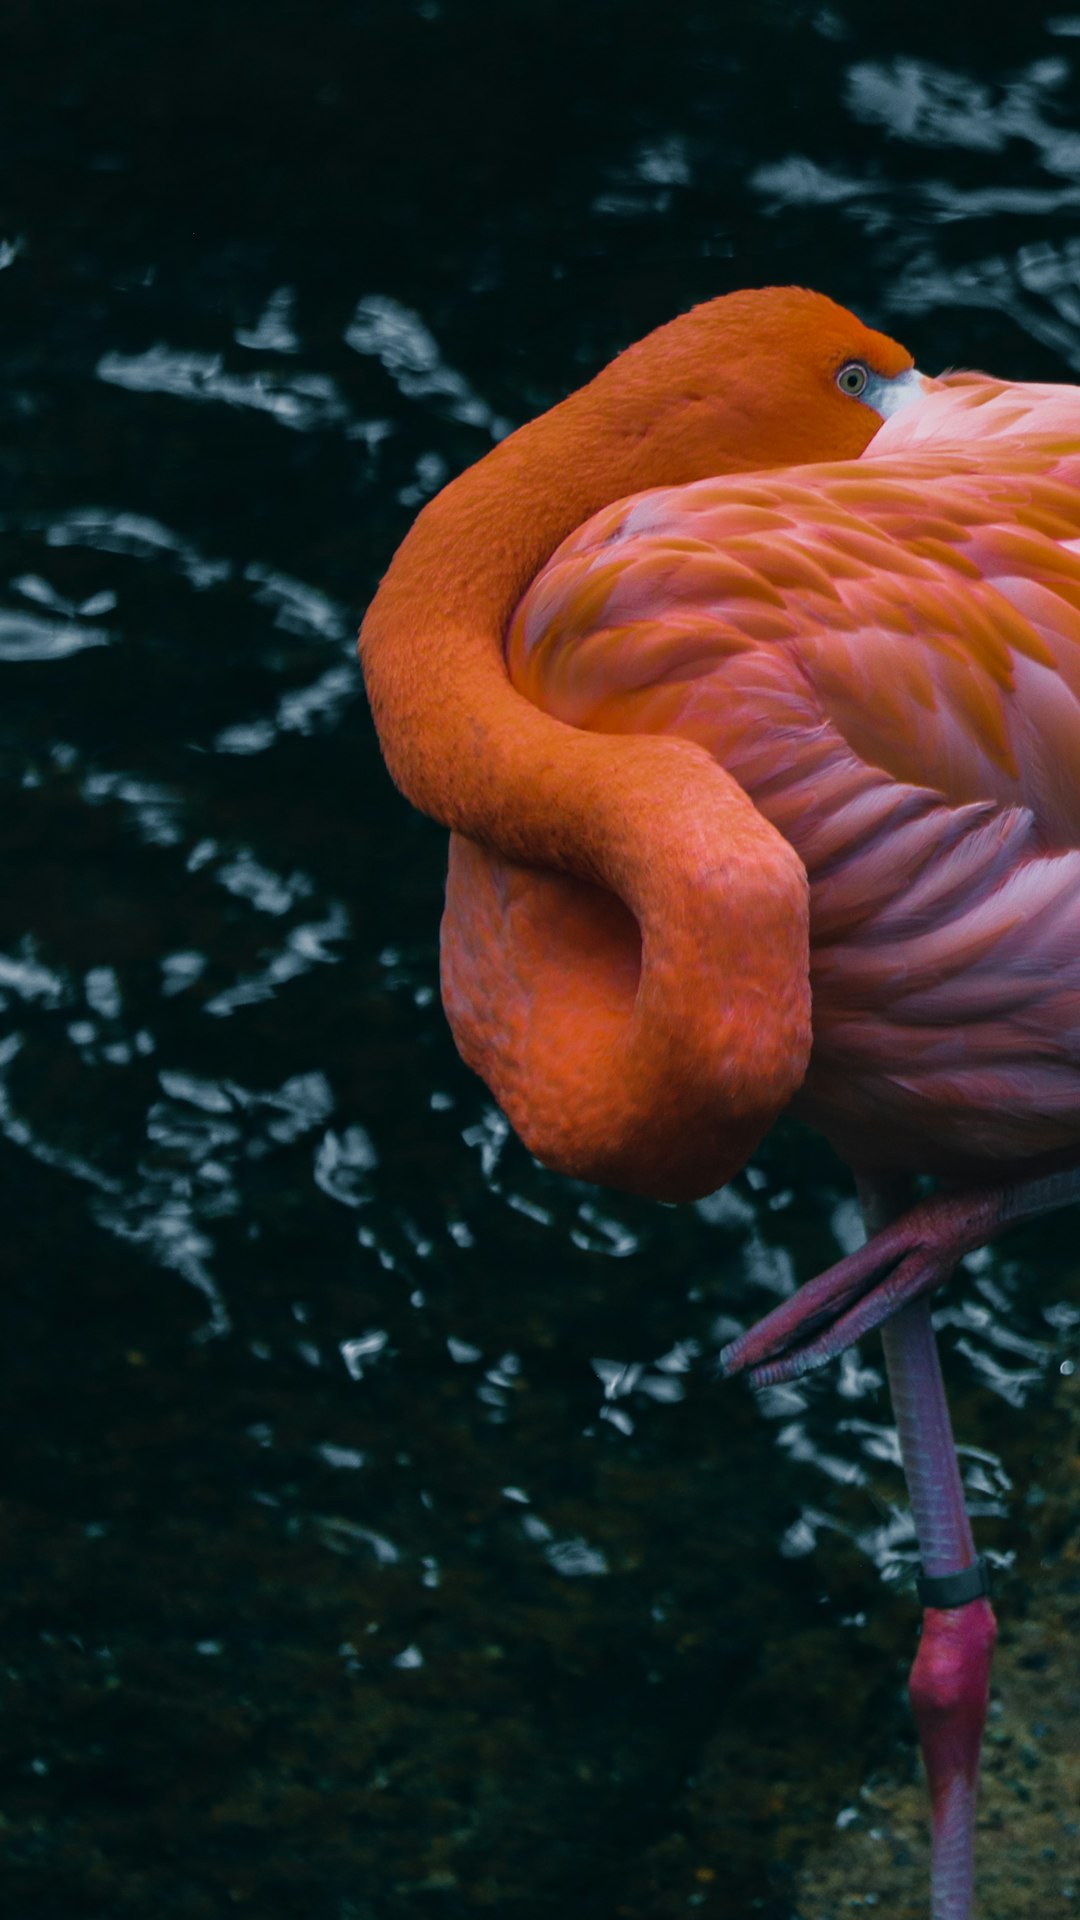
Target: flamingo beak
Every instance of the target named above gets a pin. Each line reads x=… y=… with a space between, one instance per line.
x=889 y=396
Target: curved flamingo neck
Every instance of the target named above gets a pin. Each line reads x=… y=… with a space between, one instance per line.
x=457 y=737
x=649 y=1048
x=581 y=1024
x=699 y=396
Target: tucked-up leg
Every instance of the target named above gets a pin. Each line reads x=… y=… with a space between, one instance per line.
x=901 y=1262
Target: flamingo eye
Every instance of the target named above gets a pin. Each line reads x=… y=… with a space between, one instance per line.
x=852 y=378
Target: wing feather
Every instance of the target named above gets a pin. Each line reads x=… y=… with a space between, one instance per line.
x=886 y=655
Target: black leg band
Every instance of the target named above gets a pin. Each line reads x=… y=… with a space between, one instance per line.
x=954 y=1589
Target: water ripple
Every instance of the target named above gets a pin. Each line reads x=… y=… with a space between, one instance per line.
x=27 y=636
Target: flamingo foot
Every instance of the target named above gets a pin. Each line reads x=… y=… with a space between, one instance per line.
x=949 y=1691
x=913 y=1254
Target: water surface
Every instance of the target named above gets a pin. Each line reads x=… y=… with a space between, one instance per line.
x=377 y=1539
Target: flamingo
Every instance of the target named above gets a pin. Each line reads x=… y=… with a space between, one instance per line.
x=747 y=680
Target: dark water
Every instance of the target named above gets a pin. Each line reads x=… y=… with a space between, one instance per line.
x=376 y=1541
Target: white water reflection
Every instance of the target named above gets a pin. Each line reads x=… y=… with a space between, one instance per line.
x=801 y=182
x=19 y=1133
x=198 y=1139
x=133 y=535
x=359 y=1352
x=28 y=636
x=156 y=811
x=306 y=710
x=658 y=1381
x=644 y=185
x=397 y=337
x=348 y=1459
x=932 y=105
x=268 y=892
x=29 y=980
x=304 y=947
x=301 y=401
x=343 y=1165
x=345 y=1536
x=273 y=332
x=299 y=607
x=317 y=704
x=1011 y=1384
x=33 y=587
x=180 y=971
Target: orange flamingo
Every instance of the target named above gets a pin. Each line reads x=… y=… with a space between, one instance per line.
x=763 y=793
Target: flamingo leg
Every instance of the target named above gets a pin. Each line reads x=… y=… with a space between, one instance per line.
x=950 y=1677
x=901 y=1262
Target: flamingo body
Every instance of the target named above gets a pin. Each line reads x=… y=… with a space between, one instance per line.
x=885 y=654
x=769 y=792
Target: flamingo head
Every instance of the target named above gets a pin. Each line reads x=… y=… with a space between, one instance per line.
x=762 y=378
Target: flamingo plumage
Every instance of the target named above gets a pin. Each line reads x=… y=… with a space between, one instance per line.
x=749 y=682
